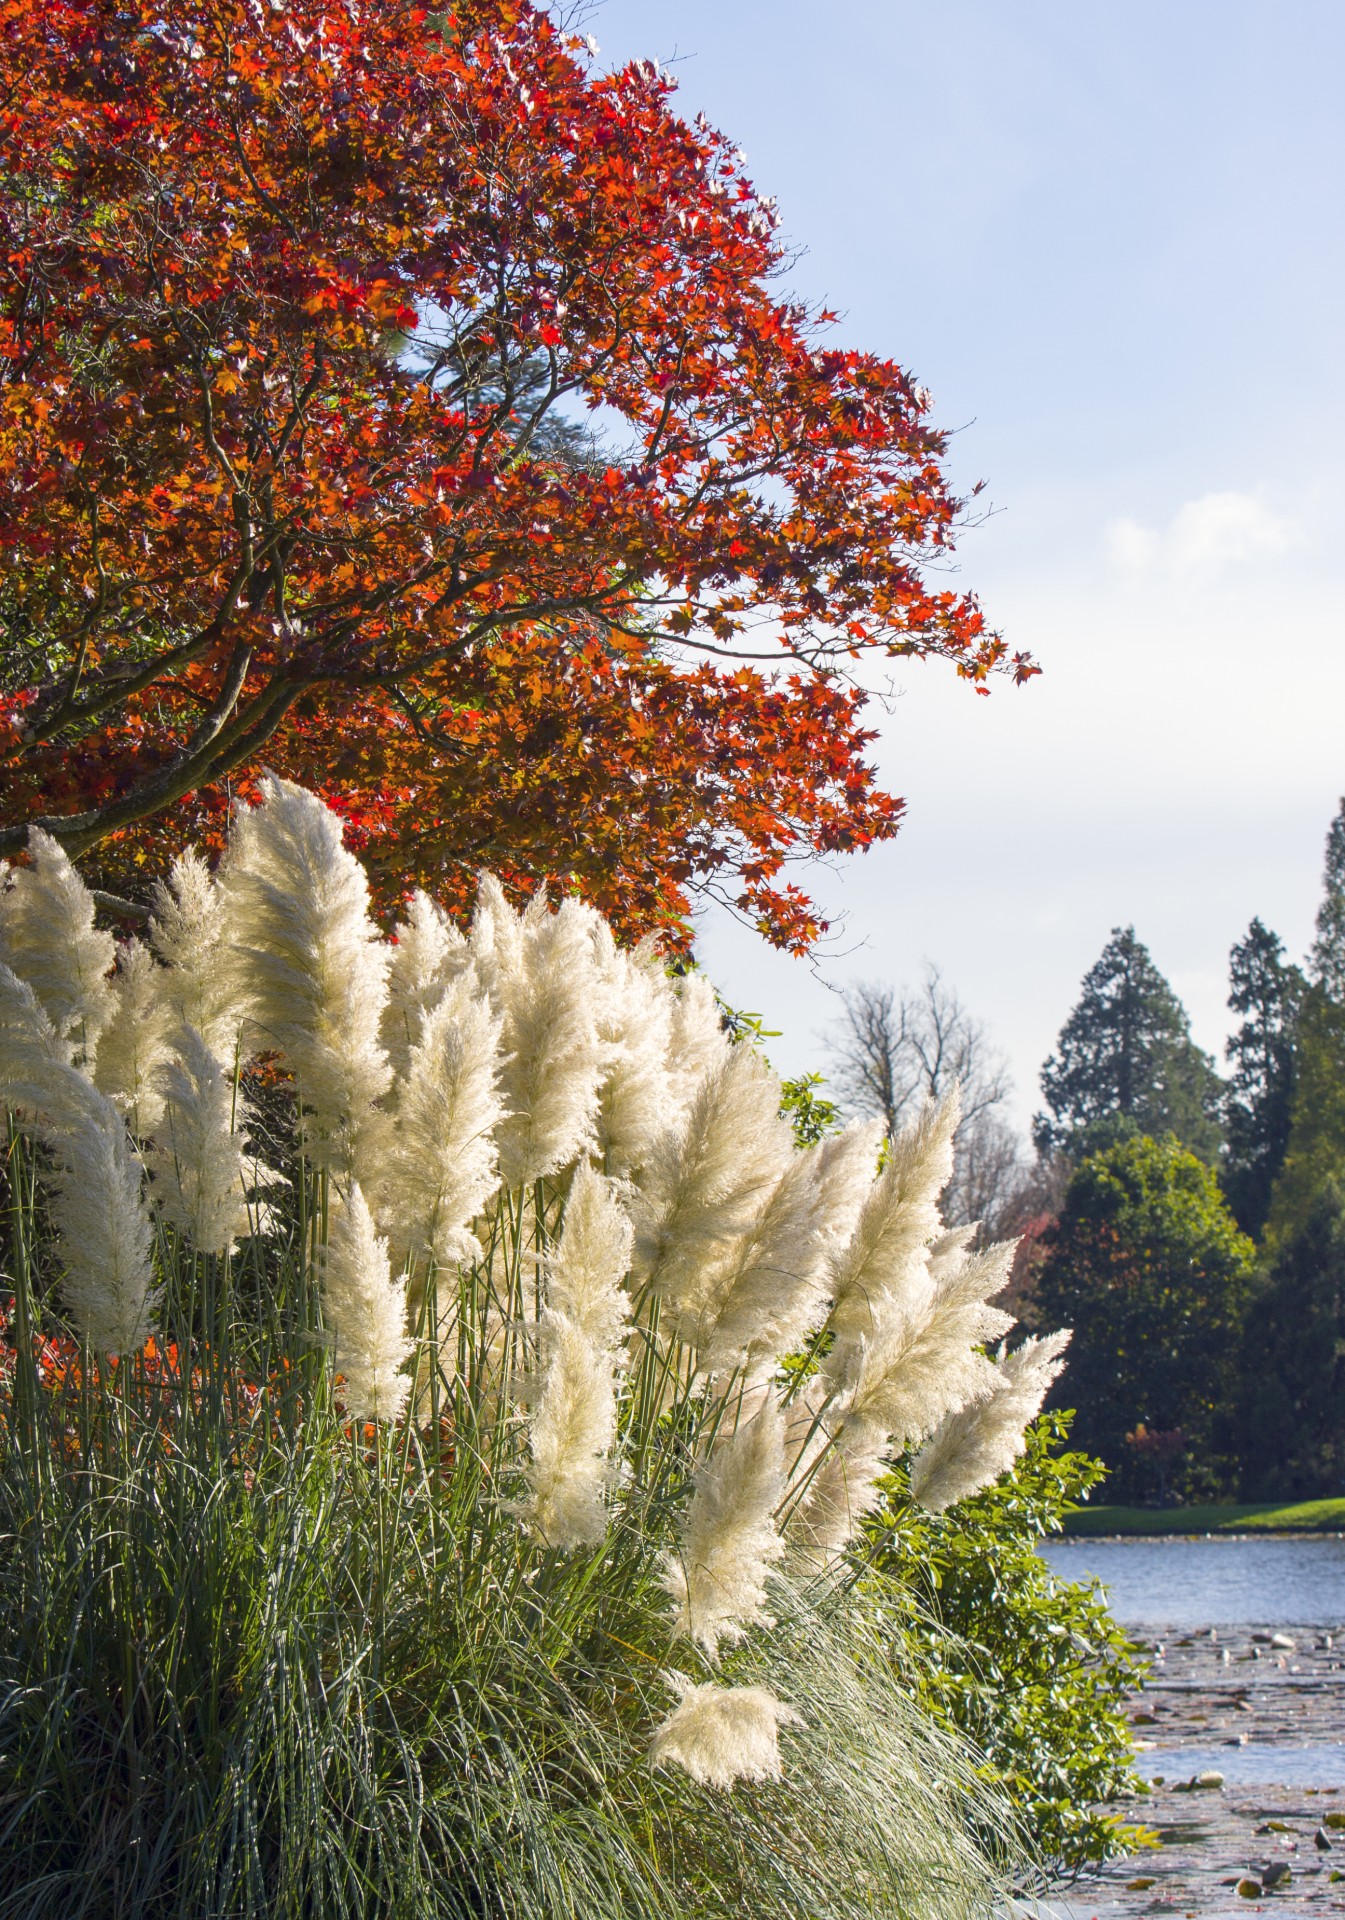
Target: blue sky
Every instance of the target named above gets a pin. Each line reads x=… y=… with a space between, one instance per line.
x=1108 y=238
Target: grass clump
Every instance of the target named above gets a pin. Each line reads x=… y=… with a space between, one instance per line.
x=398 y=1454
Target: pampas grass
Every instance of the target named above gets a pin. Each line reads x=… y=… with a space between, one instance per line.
x=549 y=1366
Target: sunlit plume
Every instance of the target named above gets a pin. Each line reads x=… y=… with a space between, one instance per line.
x=705 y=1184
x=729 y=1543
x=697 y=1042
x=429 y=954
x=198 y=1160
x=366 y=1308
x=539 y=970
x=48 y=937
x=975 y=1445
x=573 y=1426
x=437 y=1162
x=190 y=933
x=723 y=1734
x=772 y=1288
x=889 y=1249
x=839 y=1488
x=310 y=960
x=635 y=1012
x=103 y=1229
x=585 y=1277
x=135 y=1043
x=34 y=1061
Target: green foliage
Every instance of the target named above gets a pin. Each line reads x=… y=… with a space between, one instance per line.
x=1032 y=1668
x=808 y=1109
x=1267 y=991
x=1315 y=1155
x=1291 y=1424
x=1127 y=1050
x=1149 y=1268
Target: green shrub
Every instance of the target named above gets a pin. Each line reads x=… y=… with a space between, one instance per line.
x=1032 y=1668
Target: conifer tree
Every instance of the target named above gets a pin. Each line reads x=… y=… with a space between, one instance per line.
x=1291 y=1423
x=1126 y=1056
x=1267 y=991
x=1315 y=1154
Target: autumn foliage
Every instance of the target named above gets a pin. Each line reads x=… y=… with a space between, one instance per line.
x=394 y=399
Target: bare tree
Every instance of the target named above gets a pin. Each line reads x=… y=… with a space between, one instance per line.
x=895 y=1049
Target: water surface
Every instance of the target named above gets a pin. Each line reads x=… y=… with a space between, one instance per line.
x=1222 y=1581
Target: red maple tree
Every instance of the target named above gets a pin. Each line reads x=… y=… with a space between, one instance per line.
x=392 y=398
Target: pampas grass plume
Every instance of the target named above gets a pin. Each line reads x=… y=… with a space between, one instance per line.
x=135 y=1042
x=429 y=954
x=705 y=1184
x=310 y=960
x=197 y=1160
x=571 y=1434
x=723 y=1734
x=189 y=931
x=586 y=1274
x=900 y=1217
x=635 y=1016
x=367 y=1309
x=729 y=1542
x=103 y=1228
x=978 y=1443
x=439 y=1161
x=48 y=937
x=541 y=974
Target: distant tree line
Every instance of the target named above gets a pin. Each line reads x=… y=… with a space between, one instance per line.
x=1189 y=1226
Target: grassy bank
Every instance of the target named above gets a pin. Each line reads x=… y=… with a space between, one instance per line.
x=1302 y=1516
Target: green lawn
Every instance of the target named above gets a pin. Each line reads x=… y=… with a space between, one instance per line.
x=1303 y=1516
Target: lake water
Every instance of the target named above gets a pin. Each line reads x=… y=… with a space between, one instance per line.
x=1219 y=1582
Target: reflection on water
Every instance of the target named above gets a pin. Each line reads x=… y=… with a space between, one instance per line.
x=1218 y=1582
x=1260 y=1766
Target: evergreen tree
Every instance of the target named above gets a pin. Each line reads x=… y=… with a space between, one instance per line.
x=1328 y=949
x=1126 y=1054
x=1291 y=1422
x=1148 y=1266
x=1315 y=1154
x=1267 y=991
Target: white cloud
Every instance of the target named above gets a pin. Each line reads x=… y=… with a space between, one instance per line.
x=1204 y=537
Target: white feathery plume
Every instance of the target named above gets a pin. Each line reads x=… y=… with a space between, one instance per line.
x=772 y=1291
x=697 y=1043
x=635 y=1009
x=586 y=1275
x=540 y=973
x=573 y=1426
x=48 y=937
x=704 y=1184
x=723 y=1734
x=34 y=1060
x=367 y=1309
x=729 y=1542
x=189 y=932
x=920 y=1361
x=889 y=1249
x=103 y=1228
x=135 y=1043
x=310 y=960
x=571 y=1433
x=439 y=1159
x=973 y=1446
x=200 y=1175
x=428 y=955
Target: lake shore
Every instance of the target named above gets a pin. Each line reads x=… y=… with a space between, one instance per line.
x=1301 y=1516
